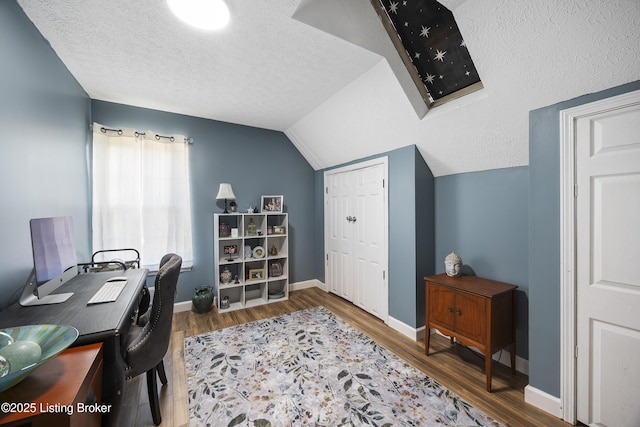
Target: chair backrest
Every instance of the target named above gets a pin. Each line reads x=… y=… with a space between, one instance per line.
x=148 y=348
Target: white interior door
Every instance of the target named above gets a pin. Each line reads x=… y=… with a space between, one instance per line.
x=607 y=154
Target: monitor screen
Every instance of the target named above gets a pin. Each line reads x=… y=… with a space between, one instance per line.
x=54 y=250
x=54 y=261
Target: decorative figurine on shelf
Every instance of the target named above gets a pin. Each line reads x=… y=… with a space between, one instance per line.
x=225 y=276
x=252 y=229
x=453 y=265
x=225 y=303
x=236 y=279
x=273 y=251
x=275 y=269
x=232 y=206
x=224 y=230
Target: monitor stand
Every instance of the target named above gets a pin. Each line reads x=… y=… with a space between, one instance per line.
x=30 y=297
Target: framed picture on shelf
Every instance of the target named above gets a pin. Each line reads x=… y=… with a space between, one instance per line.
x=256 y=274
x=230 y=251
x=271 y=204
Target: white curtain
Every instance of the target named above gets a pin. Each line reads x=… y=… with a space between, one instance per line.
x=141 y=194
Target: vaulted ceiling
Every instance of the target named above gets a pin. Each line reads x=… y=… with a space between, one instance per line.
x=326 y=74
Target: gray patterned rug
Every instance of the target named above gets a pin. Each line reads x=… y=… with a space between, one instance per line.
x=311 y=368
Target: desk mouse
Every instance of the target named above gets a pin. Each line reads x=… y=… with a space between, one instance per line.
x=116 y=279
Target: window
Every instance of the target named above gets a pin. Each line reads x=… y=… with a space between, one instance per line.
x=141 y=194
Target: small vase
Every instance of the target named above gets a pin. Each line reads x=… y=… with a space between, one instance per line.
x=225 y=276
x=252 y=229
x=225 y=229
x=202 y=299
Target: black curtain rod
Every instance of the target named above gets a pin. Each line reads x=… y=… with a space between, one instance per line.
x=158 y=137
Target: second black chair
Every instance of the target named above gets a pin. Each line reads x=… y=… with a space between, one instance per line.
x=147 y=343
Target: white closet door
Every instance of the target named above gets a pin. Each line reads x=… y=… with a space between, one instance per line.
x=356 y=235
x=339 y=235
x=369 y=246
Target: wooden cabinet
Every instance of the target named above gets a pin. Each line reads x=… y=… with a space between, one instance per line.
x=64 y=391
x=477 y=312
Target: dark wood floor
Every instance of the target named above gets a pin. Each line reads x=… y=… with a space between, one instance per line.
x=454 y=366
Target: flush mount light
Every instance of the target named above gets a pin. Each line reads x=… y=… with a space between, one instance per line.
x=203 y=14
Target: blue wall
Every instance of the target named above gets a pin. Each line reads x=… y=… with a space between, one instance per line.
x=544 y=243
x=44 y=116
x=483 y=217
x=254 y=161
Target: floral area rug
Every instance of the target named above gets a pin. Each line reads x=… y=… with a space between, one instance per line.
x=310 y=368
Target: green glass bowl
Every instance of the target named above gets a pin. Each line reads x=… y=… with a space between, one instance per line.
x=52 y=340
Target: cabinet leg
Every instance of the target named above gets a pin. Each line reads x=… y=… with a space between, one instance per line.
x=487 y=368
x=427 y=338
x=512 y=353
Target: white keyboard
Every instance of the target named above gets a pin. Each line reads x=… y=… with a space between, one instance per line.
x=109 y=292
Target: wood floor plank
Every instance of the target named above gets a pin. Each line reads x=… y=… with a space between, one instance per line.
x=454 y=366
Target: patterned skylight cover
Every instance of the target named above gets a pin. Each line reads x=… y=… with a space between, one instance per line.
x=434 y=45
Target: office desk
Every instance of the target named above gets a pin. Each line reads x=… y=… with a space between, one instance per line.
x=108 y=323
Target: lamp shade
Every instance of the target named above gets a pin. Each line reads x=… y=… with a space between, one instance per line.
x=225 y=192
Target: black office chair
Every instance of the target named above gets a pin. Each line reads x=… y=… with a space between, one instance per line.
x=147 y=342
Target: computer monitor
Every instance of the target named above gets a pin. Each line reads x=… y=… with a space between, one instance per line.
x=54 y=260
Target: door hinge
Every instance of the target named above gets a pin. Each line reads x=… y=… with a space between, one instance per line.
x=383 y=183
x=575 y=351
x=575 y=190
x=384 y=274
x=326 y=190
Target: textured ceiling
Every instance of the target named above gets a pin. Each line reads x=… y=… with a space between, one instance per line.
x=265 y=69
x=325 y=73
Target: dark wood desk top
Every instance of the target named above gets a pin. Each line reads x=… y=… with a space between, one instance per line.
x=94 y=323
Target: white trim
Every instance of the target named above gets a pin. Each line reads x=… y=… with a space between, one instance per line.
x=568 y=323
x=403 y=328
x=307 y=284
x=182 y=306
x=542 y=400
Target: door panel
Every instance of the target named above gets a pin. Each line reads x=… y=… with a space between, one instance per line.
x=441 y=305
x=339 y=235
x=369 y=246
x=607 y=153
x=470 y=317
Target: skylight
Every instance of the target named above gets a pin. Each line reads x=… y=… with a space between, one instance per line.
x=427 y=38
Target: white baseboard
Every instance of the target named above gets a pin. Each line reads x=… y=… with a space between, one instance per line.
x=182 y=306
x=307 y=284
x=544 y=401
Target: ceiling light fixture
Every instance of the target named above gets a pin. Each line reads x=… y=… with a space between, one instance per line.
x=203 y=14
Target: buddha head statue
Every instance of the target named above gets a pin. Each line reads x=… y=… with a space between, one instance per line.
x=453 y=264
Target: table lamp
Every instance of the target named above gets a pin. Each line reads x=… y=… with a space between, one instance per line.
x=225 y=192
